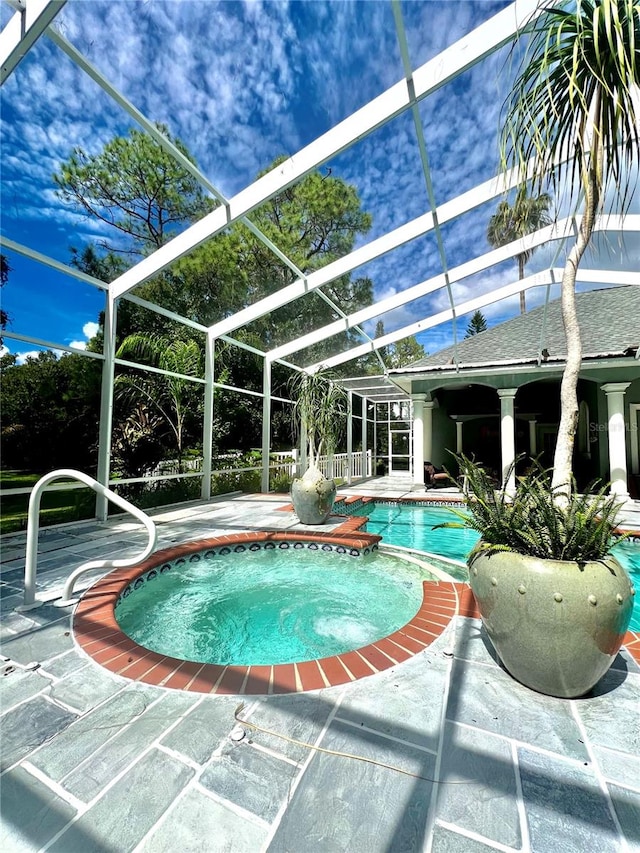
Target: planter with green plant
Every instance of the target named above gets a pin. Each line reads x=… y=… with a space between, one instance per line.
x=553 y=600
x=321 y=406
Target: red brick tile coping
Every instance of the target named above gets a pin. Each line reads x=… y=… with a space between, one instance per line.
x=98 y=633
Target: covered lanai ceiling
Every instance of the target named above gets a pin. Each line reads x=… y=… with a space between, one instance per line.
x=399 y=99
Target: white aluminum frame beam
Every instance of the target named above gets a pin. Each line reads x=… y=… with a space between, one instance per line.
x=105 y=427
x=165 y=312
x=38 y=342
x=266 y=424
x=617 y=277
x=6 y=243
x=466 y=52
x=208 y=413
x=371 y=251
x=148 y=368
x=544 y=278
x=171 y=315
x=22 y=31
x=557 y=231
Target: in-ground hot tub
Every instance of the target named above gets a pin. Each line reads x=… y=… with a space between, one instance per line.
x=263 y=612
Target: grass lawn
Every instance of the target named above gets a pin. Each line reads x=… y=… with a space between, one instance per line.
x=56 y=507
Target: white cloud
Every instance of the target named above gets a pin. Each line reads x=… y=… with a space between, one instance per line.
x=90 y=330
x=22 y=357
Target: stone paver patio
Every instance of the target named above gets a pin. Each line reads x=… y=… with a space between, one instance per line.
x=94 y=762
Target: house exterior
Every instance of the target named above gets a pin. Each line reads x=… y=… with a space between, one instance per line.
x=497 y=394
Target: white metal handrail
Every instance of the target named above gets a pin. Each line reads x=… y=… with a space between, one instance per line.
x=33 y=525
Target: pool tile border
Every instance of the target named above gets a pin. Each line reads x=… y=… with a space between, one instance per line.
x=339 y=545
x=98 y=634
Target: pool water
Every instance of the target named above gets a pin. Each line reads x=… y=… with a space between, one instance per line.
x=411 y=526
x=628 y=554
x=271 y=607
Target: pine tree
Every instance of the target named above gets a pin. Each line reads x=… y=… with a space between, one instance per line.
x=476 y=325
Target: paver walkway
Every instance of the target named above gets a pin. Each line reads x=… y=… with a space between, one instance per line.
x=477 y=763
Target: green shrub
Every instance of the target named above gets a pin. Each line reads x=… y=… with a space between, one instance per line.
x=279 y=482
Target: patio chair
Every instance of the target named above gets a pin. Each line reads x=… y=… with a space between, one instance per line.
x=434 y=477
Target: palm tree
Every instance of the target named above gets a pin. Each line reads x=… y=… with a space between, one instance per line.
x=169 y=395
x=528 y=214
x=573 y=112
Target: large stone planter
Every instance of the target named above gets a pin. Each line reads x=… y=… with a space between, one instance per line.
x=557 y=626
x=313 y=499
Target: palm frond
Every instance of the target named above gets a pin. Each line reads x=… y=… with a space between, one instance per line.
x=577 y=93
x=322 y=406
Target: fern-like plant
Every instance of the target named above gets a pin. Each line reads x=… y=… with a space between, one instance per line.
x=532 y=521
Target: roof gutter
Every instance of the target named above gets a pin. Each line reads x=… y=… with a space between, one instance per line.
x=553 y=363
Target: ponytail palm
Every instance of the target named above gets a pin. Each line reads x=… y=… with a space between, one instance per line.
x=574 y=112
x=321 y=405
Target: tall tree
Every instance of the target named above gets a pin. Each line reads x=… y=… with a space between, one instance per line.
x=136 y=187
x=133 y=185
x=405 y=351
x=576 y=95
x=50 y=411
x=313 y=223
x=399 y=354
x=509 y=223
x=477 y=324
x=379 y=333
x=5 y=269
x=144 y=196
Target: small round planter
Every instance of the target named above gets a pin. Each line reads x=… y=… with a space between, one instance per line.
x=313 y=499
x=556 y=626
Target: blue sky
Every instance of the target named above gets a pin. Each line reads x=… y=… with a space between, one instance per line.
x=241 y=83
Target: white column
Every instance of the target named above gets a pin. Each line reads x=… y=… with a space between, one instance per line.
x=207 y=427
x=427 y=442
x=459 y=436
x=507 y=437
x=106 y=404
x=533 y=443
x=349 y=437
x=364 y=432
x=417 y=402
x=617 y=437
x=266 y=424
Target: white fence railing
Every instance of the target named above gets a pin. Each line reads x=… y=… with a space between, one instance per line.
x=338 y=465
x=283 y=462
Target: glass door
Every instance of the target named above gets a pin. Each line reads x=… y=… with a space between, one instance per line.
x=400 y=451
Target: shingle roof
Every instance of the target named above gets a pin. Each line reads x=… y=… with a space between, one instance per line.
x=609 y=322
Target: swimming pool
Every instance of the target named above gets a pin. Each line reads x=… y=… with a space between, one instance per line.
x=410 y=525
x=270 y=606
